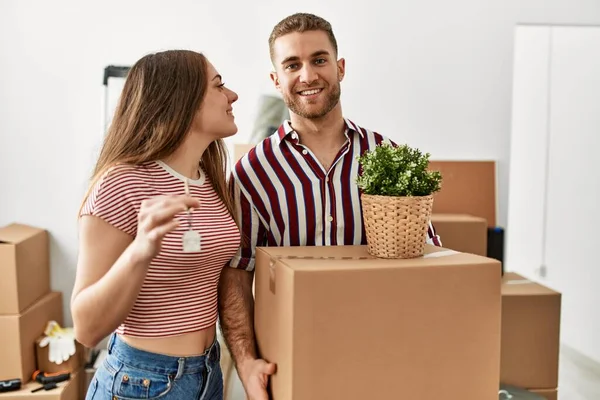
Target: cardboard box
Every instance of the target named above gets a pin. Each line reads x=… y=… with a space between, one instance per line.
x=461 y=232
x=342 y=324
x=477 y=178
x=18 y=334
x=240 y=149
x=530 y=333
x=24 y=266
x=549 y=394
x=68 y=390
x=74 y=363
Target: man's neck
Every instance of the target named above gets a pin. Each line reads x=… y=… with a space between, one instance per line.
x=325 y=132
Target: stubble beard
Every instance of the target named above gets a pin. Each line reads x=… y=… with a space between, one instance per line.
x=297 y=106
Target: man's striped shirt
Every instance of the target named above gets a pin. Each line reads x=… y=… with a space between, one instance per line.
x=284 y=196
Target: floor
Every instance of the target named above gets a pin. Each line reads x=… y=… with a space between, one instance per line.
x=579 y=379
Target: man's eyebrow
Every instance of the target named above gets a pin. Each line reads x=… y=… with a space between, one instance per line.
x=296 y=58
x=288 y=59
x=320 y=53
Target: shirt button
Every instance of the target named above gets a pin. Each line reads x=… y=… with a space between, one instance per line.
x=326 y=179
x=305 y=152
x=294 y=136
x=330 y=218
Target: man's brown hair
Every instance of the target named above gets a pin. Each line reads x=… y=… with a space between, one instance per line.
x=301 y=22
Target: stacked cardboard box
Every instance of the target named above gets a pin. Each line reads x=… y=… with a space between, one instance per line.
x=26 y=306
x=462 y=232
x=464 y=211
x=468 y=187
x=342 y=324
x=530 y=335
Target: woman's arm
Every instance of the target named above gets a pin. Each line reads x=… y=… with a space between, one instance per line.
x=112 y=266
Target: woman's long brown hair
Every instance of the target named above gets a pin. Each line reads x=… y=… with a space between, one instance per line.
x=161 y=95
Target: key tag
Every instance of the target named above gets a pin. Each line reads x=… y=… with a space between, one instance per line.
x=191 y=239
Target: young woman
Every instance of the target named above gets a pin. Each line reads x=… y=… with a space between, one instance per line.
x=156 y=229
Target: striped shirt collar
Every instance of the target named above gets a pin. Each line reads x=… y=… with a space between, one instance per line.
x=286 y=131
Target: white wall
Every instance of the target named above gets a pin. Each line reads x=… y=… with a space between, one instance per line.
x=435 y=74
x=554 y=192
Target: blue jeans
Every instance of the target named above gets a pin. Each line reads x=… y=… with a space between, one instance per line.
x=130 y=373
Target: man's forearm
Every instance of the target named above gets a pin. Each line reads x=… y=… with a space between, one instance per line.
x=236 y=313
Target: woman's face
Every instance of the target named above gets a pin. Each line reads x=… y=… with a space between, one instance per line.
x=215 y=117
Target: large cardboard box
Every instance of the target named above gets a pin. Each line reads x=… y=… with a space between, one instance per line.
x=18 y=334
x=530 y=333
x=549 y=394
x=24 y=267
x=461 y=232
x=342 y=324
x=68 y=390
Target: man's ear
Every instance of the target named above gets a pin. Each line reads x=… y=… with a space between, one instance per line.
x=341 y=64
x=275 y=79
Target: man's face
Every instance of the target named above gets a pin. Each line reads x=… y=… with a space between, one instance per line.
x=307 y=73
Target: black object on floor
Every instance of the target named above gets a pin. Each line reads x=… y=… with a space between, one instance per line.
x=43 y=377
x=495 y=244
x=10 y=385
x=47 y=386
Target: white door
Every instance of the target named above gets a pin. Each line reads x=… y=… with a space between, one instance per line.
x=572 y=247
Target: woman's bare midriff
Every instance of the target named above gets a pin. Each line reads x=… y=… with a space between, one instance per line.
x=186 y=345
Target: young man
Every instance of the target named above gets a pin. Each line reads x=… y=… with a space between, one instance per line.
x=297 y=187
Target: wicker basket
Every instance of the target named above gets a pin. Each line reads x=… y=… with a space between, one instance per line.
x=396 y=227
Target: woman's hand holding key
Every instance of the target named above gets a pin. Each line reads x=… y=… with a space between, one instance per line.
x=157 y=218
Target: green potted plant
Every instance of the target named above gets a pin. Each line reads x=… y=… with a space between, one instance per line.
x=397 y=199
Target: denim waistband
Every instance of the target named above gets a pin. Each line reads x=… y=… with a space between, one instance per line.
x=161 y=363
